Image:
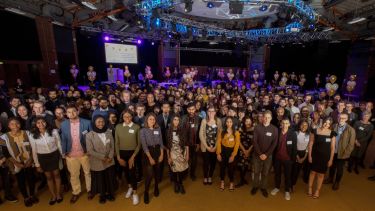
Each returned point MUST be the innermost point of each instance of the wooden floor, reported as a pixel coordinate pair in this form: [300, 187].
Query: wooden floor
[356, 193]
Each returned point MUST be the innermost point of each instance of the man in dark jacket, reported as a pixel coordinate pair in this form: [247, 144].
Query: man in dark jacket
[285, 155]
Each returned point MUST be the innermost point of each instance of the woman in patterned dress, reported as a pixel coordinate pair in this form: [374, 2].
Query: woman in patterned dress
[178, 153]
[246, 146]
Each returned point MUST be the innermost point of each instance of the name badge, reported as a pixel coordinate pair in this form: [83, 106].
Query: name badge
[84, 132]
[156, 132]
[192, 125]
[289, 142]
[131, 131]
[268, 134]
[231, 139]
[361, 128]
[328, 140]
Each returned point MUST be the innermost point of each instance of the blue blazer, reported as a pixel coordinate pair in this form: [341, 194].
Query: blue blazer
[66, 137]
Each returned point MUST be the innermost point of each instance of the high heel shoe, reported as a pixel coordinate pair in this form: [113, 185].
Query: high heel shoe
[222, 186]
[316, 195]
[309, 192]
[231, 187]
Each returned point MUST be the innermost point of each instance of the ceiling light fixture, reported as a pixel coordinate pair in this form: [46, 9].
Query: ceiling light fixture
[89, 5]
[15, 10]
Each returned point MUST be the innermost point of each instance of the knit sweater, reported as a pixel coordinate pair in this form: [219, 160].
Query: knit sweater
[127, 138]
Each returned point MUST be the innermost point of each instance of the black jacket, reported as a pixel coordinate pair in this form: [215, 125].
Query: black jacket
[291, 144]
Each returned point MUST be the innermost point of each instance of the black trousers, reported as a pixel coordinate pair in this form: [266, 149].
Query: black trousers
[193, 160]
[297, 167]
[103, 182]
[4, 173]
[139, 167]
[209, 163]
[130, 174]
[224, 164]
[152, 171]
[178, 177]
[286, 165]
[337, 169]
[26, 182]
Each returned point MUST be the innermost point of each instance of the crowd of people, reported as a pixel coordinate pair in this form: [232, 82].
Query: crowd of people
[145, 134]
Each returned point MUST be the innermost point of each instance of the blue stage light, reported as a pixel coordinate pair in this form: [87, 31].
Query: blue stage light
[210, 5]
[263, 8]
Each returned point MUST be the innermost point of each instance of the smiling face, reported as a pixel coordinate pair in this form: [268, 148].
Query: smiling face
[176, 121]
[41, 124]
[229, 123]
[99, 123]
[14, 126]
[151, 121]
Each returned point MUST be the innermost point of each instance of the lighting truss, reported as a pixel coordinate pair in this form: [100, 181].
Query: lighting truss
[145, 7]
[276, 38]
[200, 29]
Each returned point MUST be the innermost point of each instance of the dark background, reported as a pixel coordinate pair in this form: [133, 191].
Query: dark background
[310, 58]
[234, 59]
[19, 38]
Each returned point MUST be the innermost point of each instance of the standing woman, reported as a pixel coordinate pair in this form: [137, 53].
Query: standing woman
[178, 153]
[246, 146]
[100, 148]
[46, 147]
[303, 137]
[363, 131]
[208, 134]
[228, 143]
[321, 150]
[19, 149]
[127, 147]
[152, 144]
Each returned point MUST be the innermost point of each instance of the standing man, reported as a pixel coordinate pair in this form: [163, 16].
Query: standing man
[345, 141]
[191, 124]
[265, 141]
[163, 120]
[73, 144]
[285, 156]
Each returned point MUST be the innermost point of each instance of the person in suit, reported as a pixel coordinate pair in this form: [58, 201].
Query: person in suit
[100, 148]
[103, 109]
[73, 132]
[164, 120]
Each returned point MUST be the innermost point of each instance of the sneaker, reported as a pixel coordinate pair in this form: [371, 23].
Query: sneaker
[287, 196]
[129, 193]
[209, 181]
[135, 199]
[275, 191]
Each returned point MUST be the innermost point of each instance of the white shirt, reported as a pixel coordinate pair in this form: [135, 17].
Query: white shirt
[45, 144]
[302, 141]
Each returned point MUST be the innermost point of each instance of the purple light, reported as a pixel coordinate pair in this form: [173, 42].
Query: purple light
[106, 38]
[139, 41]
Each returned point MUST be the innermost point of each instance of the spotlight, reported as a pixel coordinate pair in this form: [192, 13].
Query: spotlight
[152, 43]
[210, 5]
[311, 26]
[106, 38]
[263, 8]
[139, 41]
[188, 5]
